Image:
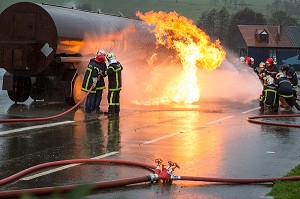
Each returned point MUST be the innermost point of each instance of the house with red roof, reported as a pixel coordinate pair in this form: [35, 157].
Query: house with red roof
[264, 41]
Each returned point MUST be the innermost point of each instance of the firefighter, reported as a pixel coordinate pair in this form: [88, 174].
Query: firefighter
[271, 69]
[100, 85]
[285, 92]
[291, 74]
[262, 73]
[242, 60]
[90, 79]
[269, 99]
[113, 73]
[250, 62]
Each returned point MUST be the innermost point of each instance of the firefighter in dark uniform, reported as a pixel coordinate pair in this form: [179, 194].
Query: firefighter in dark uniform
[100, 85]
[291, 74]
[113, 73]
[271, 69]
[262, 73]
[269, 98]
[90, 79]
[285, 92]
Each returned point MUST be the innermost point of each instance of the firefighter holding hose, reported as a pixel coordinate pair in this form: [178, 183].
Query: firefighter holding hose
[90, 79]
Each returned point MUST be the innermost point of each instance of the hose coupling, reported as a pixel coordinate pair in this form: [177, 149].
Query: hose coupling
[153, 177]
[174, 177]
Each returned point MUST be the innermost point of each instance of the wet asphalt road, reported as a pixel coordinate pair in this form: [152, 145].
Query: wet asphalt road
[210, 139]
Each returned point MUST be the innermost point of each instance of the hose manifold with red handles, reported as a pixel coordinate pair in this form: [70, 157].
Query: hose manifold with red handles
[166, 174]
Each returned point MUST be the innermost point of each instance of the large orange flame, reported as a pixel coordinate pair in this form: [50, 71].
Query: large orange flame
[194, 49]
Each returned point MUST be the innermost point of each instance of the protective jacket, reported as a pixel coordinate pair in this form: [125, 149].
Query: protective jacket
[101, 74]
[114, 76]
[292, 76]
[270, 95]
[262, 77]
[284, 87]
[272, 70]
[94, 70]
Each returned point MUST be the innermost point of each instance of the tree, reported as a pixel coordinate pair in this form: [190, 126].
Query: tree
[223, 21]
[215, 23]
[208, 22]
[281, 18]
[211, 21]
[246, 16]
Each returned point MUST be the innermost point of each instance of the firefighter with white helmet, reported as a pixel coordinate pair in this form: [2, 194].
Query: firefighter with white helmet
[269, 98]
[242, 60]
[114, 73]
[262, 73]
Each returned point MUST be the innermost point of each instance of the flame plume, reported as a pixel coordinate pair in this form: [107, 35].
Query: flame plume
[194, 49]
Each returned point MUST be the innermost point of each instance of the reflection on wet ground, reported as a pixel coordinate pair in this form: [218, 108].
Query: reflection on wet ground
[211, 139]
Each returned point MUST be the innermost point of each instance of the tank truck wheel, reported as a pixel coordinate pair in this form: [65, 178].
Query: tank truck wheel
[77, 93]
[21, 89]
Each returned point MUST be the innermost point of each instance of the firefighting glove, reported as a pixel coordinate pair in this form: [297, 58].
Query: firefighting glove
[94, 81]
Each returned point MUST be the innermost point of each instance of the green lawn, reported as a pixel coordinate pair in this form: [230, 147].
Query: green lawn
[287, 189]
[191, 9]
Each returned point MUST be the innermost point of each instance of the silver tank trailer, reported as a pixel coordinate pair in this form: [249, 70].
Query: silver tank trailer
[37, 47]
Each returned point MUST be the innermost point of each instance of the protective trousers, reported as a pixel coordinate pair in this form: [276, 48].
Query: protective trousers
[113, 98]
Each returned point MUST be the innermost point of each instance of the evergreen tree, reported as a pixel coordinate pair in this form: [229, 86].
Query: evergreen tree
[281, 18]
[246, 16]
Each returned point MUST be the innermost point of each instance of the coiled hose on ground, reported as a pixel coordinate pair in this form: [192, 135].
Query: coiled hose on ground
[254, 120]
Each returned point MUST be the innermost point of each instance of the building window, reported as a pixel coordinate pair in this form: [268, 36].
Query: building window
[264, 38]
[261, 36]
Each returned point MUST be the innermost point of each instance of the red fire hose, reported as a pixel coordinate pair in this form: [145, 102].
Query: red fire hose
[164, 174]
[97, 185]
[253, 120]
[45, 118]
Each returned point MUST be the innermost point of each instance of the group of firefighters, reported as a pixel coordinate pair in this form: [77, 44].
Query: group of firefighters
[94, 77]
[279, 87]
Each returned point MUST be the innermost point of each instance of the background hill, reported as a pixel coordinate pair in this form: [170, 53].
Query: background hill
[192, 9]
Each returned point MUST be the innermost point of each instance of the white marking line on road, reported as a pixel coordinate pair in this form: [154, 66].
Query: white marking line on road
[250, 110]
[34, 127]
[161, 138]
[65, 167]
[225, 118]
[271, 152]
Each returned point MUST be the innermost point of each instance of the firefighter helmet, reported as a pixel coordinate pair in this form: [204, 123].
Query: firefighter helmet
[252, 60]
[111, 58]
[100, 58]
[242, 59]
[101, 51]
[110, 55]
[285, 67]
[248, 60]
[269, 61]
[262, 65]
